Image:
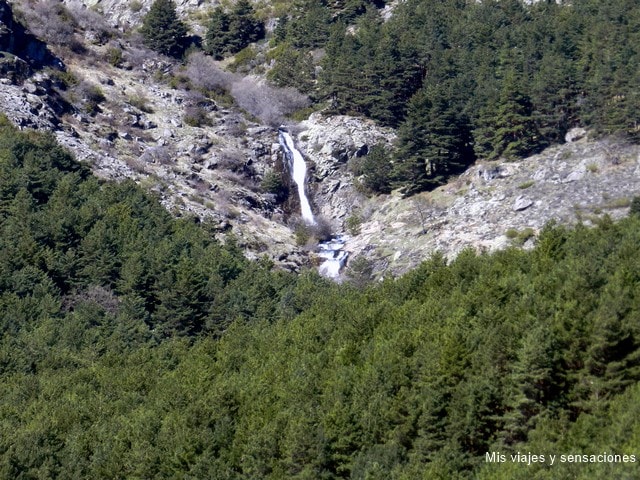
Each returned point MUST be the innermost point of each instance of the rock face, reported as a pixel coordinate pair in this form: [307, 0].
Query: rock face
[329, 143]
[15, 39]
[522, 203]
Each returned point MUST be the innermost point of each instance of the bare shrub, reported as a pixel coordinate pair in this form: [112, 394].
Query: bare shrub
[137, 55]
[232, 160]
[197, 99]
[95, 294]
[271, 105]
[161, 155]
[197, 109]
[322, 229]
[206, 75]
[91, 21]
[50, 21]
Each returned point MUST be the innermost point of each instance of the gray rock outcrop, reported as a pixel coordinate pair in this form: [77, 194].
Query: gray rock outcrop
[521, 203]
[329, 143]
[17, 41]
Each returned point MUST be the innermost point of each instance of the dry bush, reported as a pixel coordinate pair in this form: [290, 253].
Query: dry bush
[92, 22]
[137, 54]
[197, 99]
[232, 160]
[51, 21]
[271, 105]
[206, 75]
[322, 230]
[95, 294]
[161, 155]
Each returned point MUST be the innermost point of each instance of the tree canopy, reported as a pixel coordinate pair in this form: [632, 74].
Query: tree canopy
[163, 31]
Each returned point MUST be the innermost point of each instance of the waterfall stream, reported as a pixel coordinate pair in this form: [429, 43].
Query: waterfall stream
[332, 250]
[334, 257]
[298, 169]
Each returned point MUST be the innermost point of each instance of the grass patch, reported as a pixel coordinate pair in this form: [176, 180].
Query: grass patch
[519, 237]
[140, 102]
[622, 202]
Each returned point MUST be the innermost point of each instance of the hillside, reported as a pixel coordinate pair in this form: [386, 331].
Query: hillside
[162, 314]
[135, 345]
[203, 138]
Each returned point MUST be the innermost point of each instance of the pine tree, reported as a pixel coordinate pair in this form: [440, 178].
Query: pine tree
[376, 168]
[293, 68]
[506, 128]
[217, 37]
[553, 97]
[228, 33]
[310, 26]
[532, 383]
[163, 31]
[244, 28]
[435, 139]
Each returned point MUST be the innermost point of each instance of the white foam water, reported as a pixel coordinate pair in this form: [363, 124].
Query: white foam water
[334, 257]
[298, 169]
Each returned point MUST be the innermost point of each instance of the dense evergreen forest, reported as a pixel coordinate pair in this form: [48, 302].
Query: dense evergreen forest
[135, 346]
[464, 79]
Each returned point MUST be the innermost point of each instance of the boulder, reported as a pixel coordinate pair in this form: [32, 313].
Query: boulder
[522, 203]
[575, 134]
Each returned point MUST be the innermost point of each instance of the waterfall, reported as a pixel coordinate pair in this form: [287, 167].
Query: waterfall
[332, 250]
[298, 169]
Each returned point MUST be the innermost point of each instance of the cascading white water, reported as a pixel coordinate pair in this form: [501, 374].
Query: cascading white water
[331, 251]
[334, 255]
[298, 172]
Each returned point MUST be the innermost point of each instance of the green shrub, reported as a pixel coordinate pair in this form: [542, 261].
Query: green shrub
[243, 58]
[63, 79]
[520, 237]
[196, 116]
[635, 206]
[526, 184]
[274, 184]
[140, 102]
[353, 224]
[135, 6]
[114, 56]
